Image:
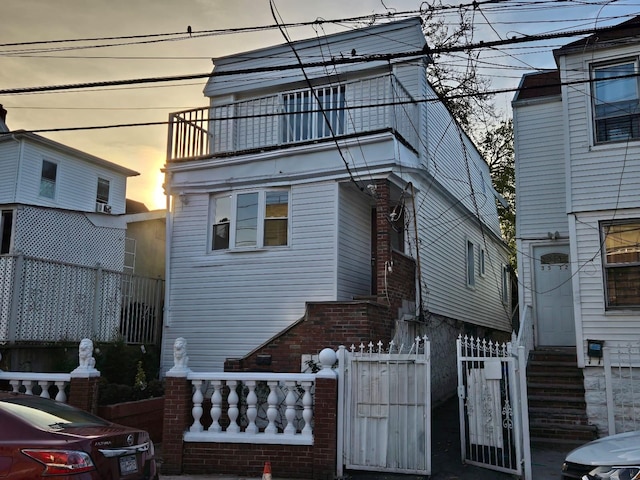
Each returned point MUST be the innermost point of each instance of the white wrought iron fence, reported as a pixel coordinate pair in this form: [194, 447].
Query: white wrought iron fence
[622, 381]
[47, 301]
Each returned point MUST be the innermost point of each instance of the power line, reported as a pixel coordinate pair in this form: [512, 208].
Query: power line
[384, 57]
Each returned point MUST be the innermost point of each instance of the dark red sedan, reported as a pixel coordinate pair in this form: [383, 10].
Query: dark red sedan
[44, 438]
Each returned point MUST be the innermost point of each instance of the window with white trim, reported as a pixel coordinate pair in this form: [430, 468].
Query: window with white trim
[102, 193]
[482, 262]
[621, 262]
[616, 103]
[311, 114]
[471, 264]
[48, 177]
[253, 219]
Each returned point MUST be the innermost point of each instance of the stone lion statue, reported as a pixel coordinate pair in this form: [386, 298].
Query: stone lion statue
[180, 359]
[85, 356]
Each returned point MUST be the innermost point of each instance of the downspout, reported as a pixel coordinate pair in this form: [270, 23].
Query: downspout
[19, 166]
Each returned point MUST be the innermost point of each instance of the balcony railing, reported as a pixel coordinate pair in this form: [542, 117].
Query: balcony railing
[294, 117]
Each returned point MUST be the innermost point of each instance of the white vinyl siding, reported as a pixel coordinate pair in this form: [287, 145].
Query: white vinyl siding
[244, 298]
[354, 244]
[9, 155]
[616, 326]
[76, 181]
[540, 169]
[452, 160]
[444, 232]
[602, 176]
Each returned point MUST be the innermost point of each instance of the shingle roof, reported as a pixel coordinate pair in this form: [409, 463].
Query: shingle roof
[538, 85]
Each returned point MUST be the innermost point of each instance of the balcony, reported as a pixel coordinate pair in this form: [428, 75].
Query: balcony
[295, 117]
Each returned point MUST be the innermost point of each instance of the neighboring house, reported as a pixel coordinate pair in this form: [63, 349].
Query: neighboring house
[299, 197]
[577, 139]
[62, 249]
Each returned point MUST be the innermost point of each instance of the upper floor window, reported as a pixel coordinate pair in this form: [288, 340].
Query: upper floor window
[471, 264]
[48, 179]
[621, 261]
[308, 116]
[102, 194]
[615, 102]
[249, 220]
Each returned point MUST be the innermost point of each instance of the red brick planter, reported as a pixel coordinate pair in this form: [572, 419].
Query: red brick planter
[145, 414]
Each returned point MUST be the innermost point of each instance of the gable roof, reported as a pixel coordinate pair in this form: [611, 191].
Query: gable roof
[32, 137]
[400, 38]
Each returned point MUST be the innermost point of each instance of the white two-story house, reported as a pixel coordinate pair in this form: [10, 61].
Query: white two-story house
[323, 174]
[577, 139]
[62, 243]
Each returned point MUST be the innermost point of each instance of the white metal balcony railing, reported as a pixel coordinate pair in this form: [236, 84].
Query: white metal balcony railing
[352, 108]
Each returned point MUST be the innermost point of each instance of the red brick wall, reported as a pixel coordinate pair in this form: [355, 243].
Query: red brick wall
[177, 419]
[83, 393]
[325, 325]
[317, 461]
[144, 414]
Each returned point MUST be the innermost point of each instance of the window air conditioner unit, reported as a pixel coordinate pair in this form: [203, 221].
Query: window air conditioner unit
[103, 208]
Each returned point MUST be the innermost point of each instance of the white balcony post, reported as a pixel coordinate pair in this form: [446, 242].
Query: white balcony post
[61, 396]
[45, 388]
[272, 409]
[233, 411]
[196, 411]
[307, 412]
[28, 386]
[252, 407]
[216, 406]
[15, 385]
[290, 412]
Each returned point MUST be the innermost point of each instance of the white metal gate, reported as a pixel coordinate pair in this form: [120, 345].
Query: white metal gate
[386, 400]
[494, 427]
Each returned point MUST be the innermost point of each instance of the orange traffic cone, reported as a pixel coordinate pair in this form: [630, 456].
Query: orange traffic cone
[266, 471]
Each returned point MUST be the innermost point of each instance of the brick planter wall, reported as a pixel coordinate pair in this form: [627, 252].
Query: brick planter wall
[144, 414]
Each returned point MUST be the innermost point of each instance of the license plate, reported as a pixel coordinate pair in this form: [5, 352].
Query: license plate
[128, 465]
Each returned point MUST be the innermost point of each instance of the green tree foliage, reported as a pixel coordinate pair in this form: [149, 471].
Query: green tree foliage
[464, 91]
[497, 149]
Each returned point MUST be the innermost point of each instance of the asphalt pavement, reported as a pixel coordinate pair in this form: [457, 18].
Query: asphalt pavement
[446, 463]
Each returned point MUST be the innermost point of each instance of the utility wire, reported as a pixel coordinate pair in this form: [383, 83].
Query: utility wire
[385, 57]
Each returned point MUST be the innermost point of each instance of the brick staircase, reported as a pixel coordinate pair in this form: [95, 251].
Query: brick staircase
[557, 409]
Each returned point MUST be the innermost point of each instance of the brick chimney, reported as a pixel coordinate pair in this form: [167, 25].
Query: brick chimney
[3, 113]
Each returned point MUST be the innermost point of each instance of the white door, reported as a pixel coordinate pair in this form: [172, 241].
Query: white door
[553, 296]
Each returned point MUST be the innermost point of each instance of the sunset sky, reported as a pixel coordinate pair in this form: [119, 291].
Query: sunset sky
[143, 148]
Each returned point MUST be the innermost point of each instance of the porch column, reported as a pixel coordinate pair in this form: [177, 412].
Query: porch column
[383, 237]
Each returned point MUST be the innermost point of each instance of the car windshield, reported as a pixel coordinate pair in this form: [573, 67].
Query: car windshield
[44, 414]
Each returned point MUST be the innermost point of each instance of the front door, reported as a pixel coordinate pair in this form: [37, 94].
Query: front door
[553, 296]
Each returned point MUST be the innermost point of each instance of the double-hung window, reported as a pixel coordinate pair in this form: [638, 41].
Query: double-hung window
[312, 114]
[621, 261]
[48, 177]
[250, 219]
[615, 102]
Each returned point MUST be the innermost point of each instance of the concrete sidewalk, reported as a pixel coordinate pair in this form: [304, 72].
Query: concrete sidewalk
[446, 463]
